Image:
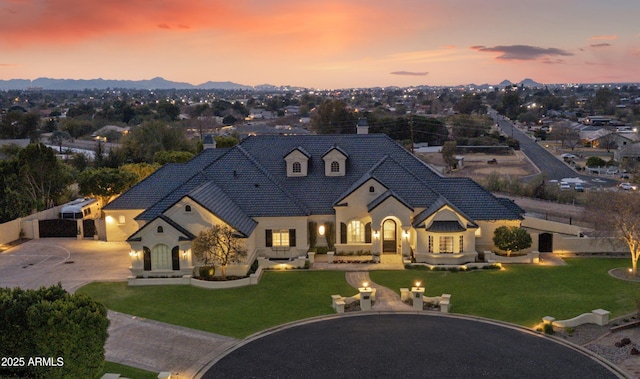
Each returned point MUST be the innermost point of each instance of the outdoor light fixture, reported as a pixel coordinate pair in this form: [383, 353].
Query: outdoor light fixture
[184, 253]
[376, 234]
[418, 283]
[405, 234]
[321, 230]
[365, 284]
[133, 253]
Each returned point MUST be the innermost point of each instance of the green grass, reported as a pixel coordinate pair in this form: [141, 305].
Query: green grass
[520, 294]
[127, 371]
[280, 297]
[523, 294]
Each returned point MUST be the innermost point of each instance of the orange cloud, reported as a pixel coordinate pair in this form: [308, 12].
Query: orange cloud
[329, 25]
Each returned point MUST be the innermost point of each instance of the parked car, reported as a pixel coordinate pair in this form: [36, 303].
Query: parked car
[628, 187]
[579, 187]
[564, 186]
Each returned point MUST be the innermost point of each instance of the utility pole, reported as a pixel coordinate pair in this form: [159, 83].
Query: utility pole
[411, 131]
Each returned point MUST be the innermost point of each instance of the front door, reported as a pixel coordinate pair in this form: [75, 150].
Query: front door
[389, 242]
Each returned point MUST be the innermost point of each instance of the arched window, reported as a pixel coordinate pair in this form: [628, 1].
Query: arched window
[296, 167]
[335, 166]
[187, 208]
[371, 189]
[161, 257]
[355, 232]
[160, 229]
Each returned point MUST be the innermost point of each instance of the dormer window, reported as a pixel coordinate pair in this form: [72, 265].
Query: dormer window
[297, 162]
[335, 162]
[372, 189]
[160, 229]
[187, 208]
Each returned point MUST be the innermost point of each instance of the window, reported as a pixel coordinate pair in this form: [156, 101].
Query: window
[187, 208]
[161, 257]
[431, 244]
[280, 238]
[355, 232]
[296, 168]
[371, 189]
[446, 244]
[335, 166]
[121, 219]
[461, 244]
[160, 229]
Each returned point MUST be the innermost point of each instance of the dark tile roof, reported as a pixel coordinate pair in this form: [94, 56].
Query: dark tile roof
[211, 197]
[446, 227]
[250, 180]
[387, 194]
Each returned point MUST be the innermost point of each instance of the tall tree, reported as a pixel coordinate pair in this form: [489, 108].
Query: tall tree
[105, 183]
[219, 246]
[615, 214]
[44, 176]
[333, 117]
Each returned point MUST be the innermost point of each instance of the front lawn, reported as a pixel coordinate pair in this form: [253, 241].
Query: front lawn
[127, 371]
[523, 294]
[280, 297]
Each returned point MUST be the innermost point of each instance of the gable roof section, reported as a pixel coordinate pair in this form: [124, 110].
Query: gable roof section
[381, 199]
[301, 150]
[435, 207]
[446, 227]
[475, 201]
[186, 235]
[212, 198]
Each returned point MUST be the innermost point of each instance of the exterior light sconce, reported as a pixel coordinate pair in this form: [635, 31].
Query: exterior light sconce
[184, 253]
[376, 234]
[405, 234]
[133, 253]
[321, 230]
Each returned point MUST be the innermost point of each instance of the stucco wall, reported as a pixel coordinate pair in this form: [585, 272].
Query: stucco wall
[277, 223]
[484, 236]
[116, 231]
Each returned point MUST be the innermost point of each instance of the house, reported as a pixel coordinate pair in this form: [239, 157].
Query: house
[357, 192]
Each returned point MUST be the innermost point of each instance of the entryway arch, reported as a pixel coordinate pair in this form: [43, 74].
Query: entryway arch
[389, 236]
[545, 243]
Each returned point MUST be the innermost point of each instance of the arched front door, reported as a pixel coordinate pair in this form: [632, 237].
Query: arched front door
[389, 234]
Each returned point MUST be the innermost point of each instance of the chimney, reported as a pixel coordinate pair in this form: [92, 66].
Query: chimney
[363, 126]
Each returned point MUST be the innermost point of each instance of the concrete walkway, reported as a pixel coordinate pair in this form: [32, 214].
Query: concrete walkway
[386, 299]
[156, 346]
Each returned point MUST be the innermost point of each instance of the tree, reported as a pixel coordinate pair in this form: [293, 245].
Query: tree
[45, 178]
[333, 117]
[58, 137]
[49, 322]
[511, 238]
[565, 134]
[616, 214]
[595, 162]
[105, 183]
[219, 246]
[448, 153]
[164, 157]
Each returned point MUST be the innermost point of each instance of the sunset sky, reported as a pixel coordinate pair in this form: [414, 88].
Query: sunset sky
[323, 44]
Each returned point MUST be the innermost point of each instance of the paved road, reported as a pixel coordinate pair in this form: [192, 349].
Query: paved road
[418, 345]
[549, 164]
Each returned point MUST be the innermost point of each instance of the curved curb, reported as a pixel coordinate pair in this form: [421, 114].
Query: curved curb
[618, 371]
[610, 272]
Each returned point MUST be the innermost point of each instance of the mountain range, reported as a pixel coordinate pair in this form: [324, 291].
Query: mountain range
[163, 84]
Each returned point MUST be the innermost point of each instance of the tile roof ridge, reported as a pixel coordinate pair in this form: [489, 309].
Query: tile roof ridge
[271, 178]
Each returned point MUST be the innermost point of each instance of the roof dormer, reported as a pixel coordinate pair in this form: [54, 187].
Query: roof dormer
[297, 162]
[335, 162]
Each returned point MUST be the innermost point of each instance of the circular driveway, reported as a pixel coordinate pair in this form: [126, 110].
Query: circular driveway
[405, 345]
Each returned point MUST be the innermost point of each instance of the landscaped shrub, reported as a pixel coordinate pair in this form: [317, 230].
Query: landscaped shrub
[547, 328]
[207, 272]
[67, 332]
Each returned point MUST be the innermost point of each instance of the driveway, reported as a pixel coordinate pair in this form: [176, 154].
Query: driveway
[405, 345]
[72, 262]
